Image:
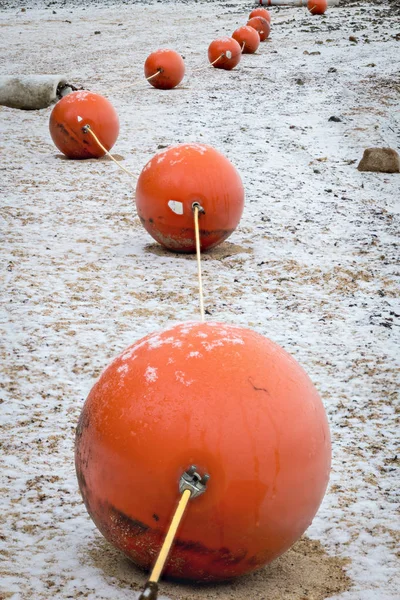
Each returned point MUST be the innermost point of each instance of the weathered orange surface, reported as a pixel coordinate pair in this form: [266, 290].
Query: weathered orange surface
[229, 401]
[247, 36]
[188, 173]
[227, 51]
[261, 25]
[317, 7]
[74, 111]
[260, 12]
[171, 65]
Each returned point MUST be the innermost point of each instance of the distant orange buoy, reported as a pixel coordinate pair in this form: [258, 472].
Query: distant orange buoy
[261, 25]
[182, 175]
[233, 403]
[317, 7]
[261, 12]
[72, 113]
[225, 53]
[248, 39]
[170, 68]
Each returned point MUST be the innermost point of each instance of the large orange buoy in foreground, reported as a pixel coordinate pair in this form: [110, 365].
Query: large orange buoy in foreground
[224, 53]
[173, 181]
[229, 401]
[247, 38]
[164, 68]
[261, 25]
[317, 7]
[72, 113]
[260, 12]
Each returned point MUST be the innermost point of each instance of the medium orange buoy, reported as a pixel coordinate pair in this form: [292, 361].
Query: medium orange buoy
[224, 53]
[260, 12]
[248, 39]
[178, 177]
[261, 25]
[72, 113]
[229, 401]
[317, 7]
[170, 68]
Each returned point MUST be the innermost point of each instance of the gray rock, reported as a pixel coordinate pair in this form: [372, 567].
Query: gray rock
[380, 160]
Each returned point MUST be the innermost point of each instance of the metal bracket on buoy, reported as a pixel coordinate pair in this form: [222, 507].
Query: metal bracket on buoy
[194, 482]
[199, 208]
[191, 485]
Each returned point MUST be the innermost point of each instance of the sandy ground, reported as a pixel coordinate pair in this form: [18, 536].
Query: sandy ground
[313, 265]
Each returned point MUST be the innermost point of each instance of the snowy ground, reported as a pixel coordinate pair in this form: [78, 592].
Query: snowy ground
[313, 265]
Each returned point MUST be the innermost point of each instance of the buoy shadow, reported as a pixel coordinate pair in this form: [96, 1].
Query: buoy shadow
[220, 252]
[304, 571]
[85, 160]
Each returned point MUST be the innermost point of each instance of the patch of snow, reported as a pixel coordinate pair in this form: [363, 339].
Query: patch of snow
[194, 354]
[151, 374]
[181, 377]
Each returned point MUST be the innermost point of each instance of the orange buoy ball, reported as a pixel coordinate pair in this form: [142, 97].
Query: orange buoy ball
[178, 177]
[317, 7]
[224, 53]
[165, 68]
[261, 25]
[72, 113]
[247, 38]
[234, 404]
[260, 12]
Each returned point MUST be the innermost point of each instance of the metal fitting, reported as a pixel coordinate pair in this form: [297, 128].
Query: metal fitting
[194, 482]
[150, 591]
[199, 207]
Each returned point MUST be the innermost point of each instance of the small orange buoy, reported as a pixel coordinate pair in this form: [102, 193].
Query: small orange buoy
[261, 12]
[229, 401]
[164, 69]
[317, 7]
[178, 177]
[248, 39]
[224, 53]
[72, 113]
[261, 25]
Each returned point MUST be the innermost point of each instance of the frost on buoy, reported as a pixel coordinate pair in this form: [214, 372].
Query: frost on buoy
[164, 69]
[248, 39]
[224, 53]
[260, 12]
[261, 25]
[72, 113]
[228, 400]
[176, 178]
[317, 7]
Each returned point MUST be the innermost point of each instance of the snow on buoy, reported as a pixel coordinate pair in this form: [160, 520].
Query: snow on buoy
[317, 7]
[261, 25]
[164, 69]
[224, 53]
[72, 113]
[247, 36]
[231, 402]
[260, 12]
[176, 178]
